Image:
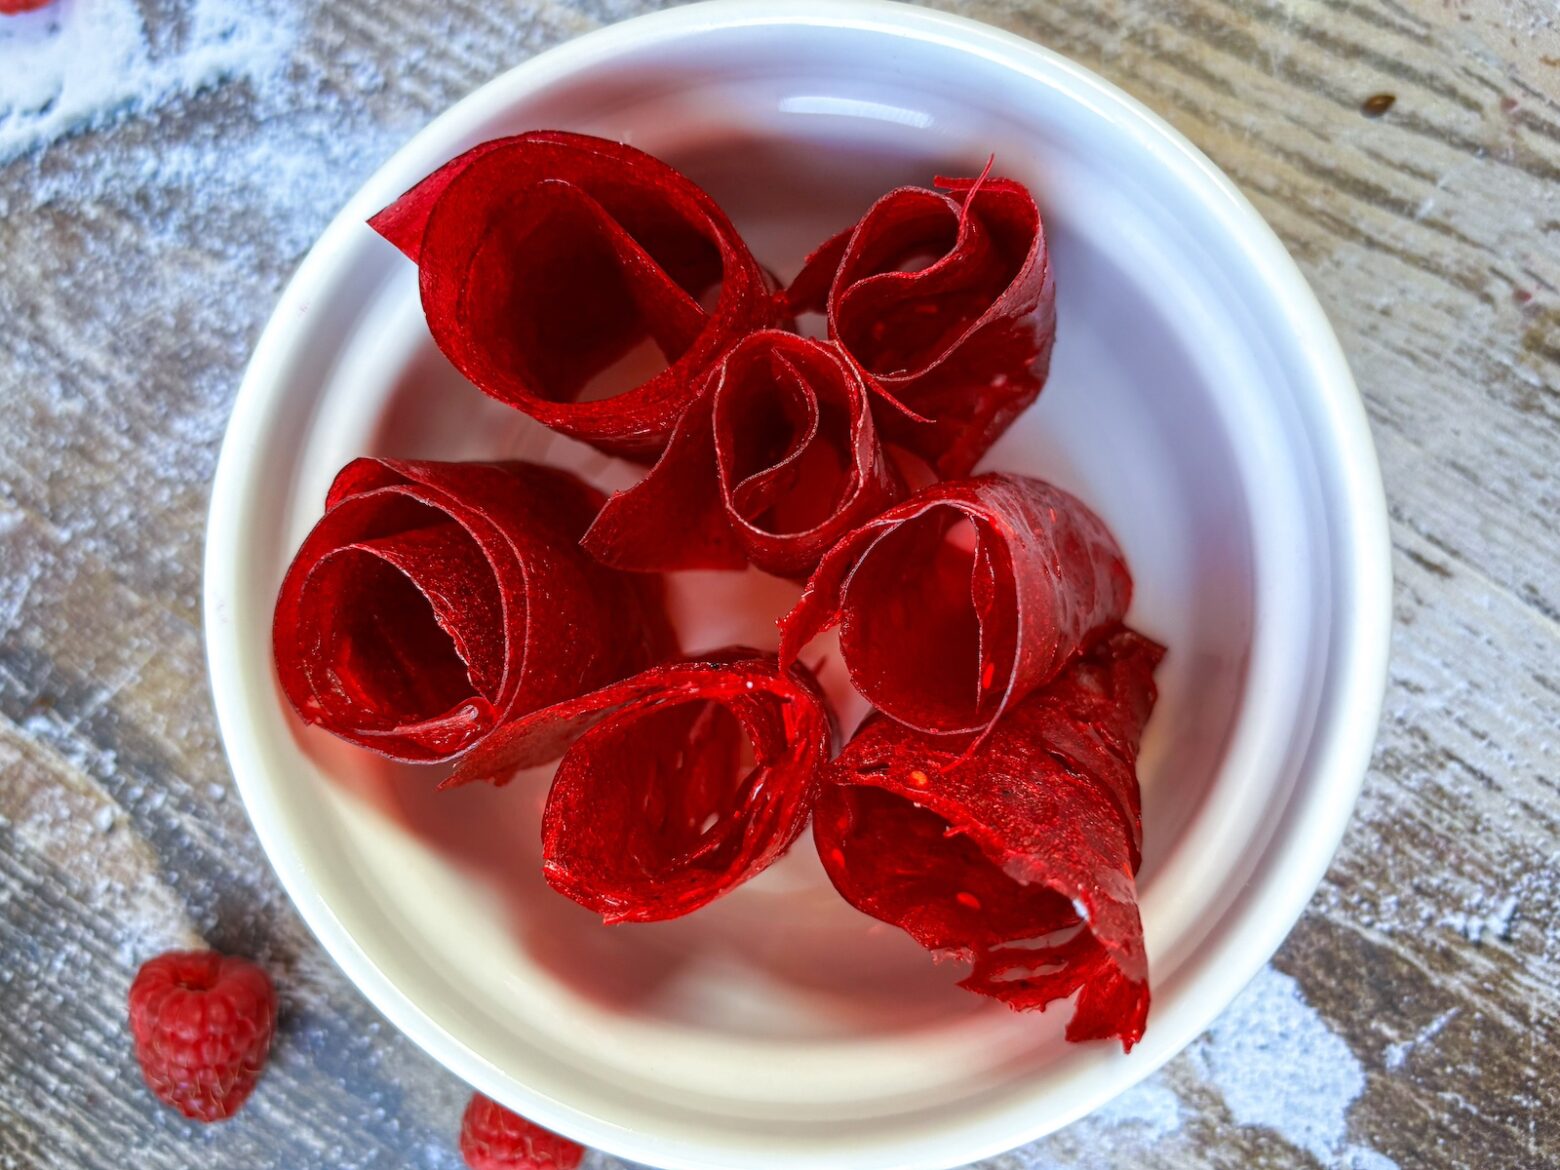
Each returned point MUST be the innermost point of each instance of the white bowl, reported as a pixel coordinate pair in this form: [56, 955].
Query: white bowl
[1198, 400]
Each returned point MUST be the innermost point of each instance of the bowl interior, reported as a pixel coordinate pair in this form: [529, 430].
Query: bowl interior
[779, 1023]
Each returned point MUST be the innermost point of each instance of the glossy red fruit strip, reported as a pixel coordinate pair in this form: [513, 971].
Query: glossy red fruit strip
[435, 601]
[546, 257]
[202, 1024]
[947, 299]
[495, 1138]
[957, 602]
[676, 785]
[776, 461]
[1020, 856]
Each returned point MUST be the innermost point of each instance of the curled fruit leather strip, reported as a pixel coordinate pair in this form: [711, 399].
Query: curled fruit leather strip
[777, 460]
[947, 299]
[1019, 857]
[957, 602]
[435, 601]
[547, 257]
[676, 785]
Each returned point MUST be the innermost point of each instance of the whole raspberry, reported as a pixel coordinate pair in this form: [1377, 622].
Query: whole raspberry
[202, 1024]
[493, 1138]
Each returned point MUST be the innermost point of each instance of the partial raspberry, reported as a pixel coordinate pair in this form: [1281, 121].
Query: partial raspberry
[493, 1138]
[12, 7]
[202, 1024]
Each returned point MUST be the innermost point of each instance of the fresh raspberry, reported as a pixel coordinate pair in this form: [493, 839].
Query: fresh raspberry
[12, 7]
[202, 1024]
[493, 1138]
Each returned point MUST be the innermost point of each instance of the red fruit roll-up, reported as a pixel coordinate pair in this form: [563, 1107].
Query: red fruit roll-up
[1019, 857]
[547, 257]
[959, 601]
[676, 786]
[435, 601]
[947, 299]
[776, 461]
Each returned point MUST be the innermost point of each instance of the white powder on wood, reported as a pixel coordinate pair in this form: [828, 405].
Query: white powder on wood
[78, 64]
[1277, 1065]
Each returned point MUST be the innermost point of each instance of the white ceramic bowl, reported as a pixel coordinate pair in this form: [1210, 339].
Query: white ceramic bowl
[1198, 400]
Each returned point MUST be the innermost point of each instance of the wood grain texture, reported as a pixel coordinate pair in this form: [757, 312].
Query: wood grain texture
[132, 288]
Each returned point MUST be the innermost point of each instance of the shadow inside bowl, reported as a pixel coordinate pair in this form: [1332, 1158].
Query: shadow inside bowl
[785, 930]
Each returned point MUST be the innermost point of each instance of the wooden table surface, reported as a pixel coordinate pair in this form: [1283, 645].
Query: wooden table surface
[146, 227]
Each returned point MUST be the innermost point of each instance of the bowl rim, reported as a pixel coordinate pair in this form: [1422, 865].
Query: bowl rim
[1341, 747]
